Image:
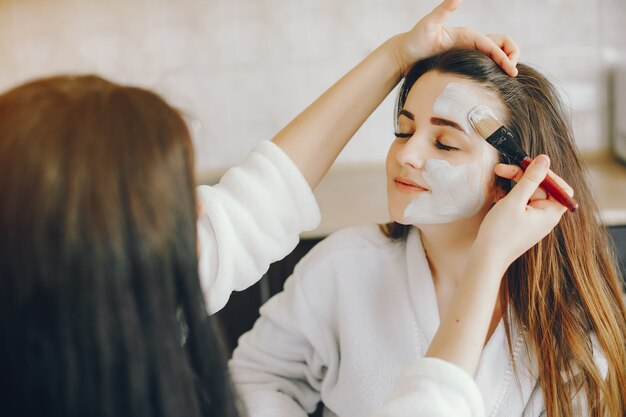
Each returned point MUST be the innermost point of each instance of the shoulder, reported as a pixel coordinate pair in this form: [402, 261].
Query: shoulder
[347, 268]
[355, 253]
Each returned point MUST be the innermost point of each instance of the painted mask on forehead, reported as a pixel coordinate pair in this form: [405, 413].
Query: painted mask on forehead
[455, 191]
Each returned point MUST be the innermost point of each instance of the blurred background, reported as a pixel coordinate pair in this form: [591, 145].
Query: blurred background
[241, 69]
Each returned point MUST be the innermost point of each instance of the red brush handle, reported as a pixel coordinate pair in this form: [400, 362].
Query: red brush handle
[552, 188]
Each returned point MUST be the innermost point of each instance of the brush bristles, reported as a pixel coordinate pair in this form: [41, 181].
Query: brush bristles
[483, 121]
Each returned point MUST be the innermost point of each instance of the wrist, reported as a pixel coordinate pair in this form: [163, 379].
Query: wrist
[393, 46]
[486, 261]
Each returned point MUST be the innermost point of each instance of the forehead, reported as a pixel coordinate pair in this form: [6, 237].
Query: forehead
[439, 94]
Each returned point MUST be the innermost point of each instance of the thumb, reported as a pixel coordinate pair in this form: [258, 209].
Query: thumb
[534, 175]
[443, 10]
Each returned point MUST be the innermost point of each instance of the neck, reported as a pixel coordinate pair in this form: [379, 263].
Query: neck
[448, 246]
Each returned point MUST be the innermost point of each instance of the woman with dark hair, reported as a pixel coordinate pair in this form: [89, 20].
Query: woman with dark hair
[100, 312]
[472, 270]
[101, 299]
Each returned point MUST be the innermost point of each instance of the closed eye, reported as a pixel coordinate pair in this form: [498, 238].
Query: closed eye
[402, 135]
[443, 147]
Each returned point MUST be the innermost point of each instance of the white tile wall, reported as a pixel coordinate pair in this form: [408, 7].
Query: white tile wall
[244, 68]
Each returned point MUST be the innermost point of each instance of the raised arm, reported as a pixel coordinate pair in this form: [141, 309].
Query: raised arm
[254, 216]
[316, 136]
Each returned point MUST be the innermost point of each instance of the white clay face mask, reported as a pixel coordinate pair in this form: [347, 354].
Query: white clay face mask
[455, 102]
[455, 191]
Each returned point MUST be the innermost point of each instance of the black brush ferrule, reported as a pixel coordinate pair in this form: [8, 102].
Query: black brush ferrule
[504, 141]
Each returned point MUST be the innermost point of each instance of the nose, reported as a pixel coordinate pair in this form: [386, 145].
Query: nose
[413, 151]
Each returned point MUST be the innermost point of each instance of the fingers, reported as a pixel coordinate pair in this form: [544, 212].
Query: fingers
[440, 13]
[434, 37]
[529, 182]
[561, 183]
[489, 47]
[469, 38]
[515, 173]
[510, 172]
[547, 205]
[507, 45]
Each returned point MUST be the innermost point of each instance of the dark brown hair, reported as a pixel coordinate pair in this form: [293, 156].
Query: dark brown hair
[100, 303]
[566, 287]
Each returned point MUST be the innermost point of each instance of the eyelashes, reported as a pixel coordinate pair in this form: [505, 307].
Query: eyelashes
[443, 147]
[438, 144]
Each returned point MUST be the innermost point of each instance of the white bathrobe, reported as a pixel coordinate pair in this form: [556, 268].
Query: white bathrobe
[251, 219]
[358, 310]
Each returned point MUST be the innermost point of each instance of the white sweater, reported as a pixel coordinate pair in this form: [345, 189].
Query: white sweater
[252, 218]
[359, 310]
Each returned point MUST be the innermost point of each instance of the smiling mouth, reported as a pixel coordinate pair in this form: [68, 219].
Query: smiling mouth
[405, 185]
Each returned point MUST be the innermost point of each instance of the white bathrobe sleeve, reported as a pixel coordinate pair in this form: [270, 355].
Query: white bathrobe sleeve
[252, 218]
[432, 387]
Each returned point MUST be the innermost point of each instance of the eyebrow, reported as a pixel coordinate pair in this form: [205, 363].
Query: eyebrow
[407, 114]
[438, 121]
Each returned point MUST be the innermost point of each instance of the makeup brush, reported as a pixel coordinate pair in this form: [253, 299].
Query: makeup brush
[487, 125]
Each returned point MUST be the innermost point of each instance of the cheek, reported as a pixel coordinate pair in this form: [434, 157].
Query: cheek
[492, 193]
[396, 202]
[487, 178]
[388, 164]
[391, 158]
[454, 194]
[477, 177]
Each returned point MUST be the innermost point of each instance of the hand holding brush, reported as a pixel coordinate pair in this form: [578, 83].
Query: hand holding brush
[487, 125]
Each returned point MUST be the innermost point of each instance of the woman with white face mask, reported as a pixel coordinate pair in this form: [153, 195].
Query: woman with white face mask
[100, 306]
[311, 142]
[472, 270]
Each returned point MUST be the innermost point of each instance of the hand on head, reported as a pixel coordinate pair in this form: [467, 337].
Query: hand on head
[429, 37]
[525, 215]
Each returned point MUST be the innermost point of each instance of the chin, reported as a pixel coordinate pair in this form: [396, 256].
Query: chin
[396, 215]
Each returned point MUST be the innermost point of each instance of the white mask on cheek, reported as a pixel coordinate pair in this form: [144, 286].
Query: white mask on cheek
[455, 192]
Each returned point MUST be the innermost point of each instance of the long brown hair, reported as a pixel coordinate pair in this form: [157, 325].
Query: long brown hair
[101, 311]
[566, 288]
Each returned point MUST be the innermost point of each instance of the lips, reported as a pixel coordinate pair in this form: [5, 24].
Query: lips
[409, 185]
